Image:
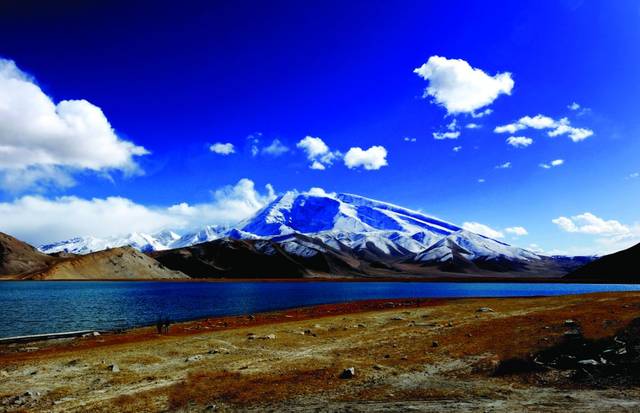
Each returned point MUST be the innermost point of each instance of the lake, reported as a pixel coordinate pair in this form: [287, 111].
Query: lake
[35, 307]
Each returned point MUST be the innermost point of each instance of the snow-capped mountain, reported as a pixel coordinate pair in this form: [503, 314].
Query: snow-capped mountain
[376, 227]
[140, 241]
[367, 227]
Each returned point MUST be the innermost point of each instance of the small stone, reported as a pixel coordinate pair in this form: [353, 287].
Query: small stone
[485, 310]
[348, 373]
[397, 318]
[197, 357]
[434, 344]
[3, 373]
[377, 367]
[569, 322]
[114, 368]
[268, 337]
[95, 334]
[404, 358]
[589, 362]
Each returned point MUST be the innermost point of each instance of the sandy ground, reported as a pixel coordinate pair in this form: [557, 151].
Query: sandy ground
[408, 355]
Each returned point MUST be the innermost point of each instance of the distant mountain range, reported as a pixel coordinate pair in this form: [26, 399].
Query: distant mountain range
[320, 234]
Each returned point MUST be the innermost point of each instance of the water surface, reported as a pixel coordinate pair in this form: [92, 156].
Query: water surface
[35, 307]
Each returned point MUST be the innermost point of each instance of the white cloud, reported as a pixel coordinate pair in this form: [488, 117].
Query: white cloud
[481, 180]
[482, 229]
[71, 135]
[519, 141]
[317, 166]
[407, 139]
[634, 175]
[552, 164]
[574, 106]
[556, 127]
[317, 152]
[517, 231]
[457, 148]
[371, 159]
[276, 148]
[473, 126]
[610, 235]
[446, 135]
[505, 165]
[316, 191]
[588, 223]
[482, 114]
[39, 220]
[222, 148]
[460, 88]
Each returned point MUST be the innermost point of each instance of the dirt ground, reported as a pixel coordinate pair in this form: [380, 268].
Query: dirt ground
[406, 355]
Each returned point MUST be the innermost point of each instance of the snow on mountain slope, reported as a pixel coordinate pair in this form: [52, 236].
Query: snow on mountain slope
[365, 224]
[208, 233]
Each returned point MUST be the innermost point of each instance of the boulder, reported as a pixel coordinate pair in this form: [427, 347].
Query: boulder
[348, 373]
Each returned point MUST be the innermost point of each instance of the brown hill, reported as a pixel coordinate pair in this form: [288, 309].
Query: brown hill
[258, 258]
[18, 258]
[123, 263]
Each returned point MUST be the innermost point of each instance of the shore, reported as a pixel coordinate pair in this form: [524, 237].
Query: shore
[429, 355]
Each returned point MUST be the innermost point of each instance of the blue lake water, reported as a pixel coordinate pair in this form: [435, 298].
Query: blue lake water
[34, 307]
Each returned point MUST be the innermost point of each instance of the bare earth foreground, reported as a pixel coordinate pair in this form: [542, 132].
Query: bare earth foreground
[571, 353]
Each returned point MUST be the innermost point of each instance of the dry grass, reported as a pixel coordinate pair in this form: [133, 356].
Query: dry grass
[204, 388]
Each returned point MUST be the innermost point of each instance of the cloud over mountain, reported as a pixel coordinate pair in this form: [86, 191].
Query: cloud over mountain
[461, 88]
[39, 219]
[371, 159]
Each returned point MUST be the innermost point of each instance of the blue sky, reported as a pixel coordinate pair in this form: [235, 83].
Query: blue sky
[176, 79]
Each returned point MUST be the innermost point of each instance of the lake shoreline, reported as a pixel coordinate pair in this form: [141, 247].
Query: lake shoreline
[408, 279]
[429, 354]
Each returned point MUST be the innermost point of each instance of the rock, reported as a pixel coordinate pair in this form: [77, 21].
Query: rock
[449, 324]
[404, 358]
[434, 344]
[485, 310]
[589, 362]
[348, 373]
[268, 337]
[114, 368]
[573, 334]
[197, 357]
[362, 326]
[397, 318]
[377, 367]
[3, 373]
[95, 334]
[569, 322]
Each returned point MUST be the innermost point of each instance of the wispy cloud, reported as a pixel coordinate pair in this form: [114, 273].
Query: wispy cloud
[555, 127]
[552, 164]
